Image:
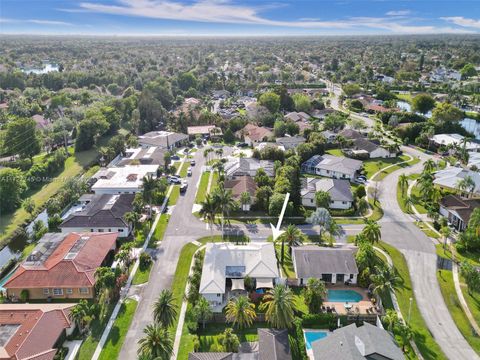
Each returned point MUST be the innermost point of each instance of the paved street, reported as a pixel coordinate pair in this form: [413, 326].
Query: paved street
[419, 251]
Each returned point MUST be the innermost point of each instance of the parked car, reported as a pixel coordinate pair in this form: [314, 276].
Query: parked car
[175, 157]
[186, 150]
[192, 162]
[242, 145]
[174, 179]
[183, 187]
[189, 171]
[360, 180]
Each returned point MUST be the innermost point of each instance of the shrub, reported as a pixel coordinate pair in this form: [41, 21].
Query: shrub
[322, 320]
[145, 261]
[24, 295]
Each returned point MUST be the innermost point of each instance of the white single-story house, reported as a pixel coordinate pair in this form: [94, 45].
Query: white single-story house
[127, 179]
[163, 139]
[454, 139]
[226, 266]
[331, 264]
[235, 167]
[450, 178]
[340, 193]
[290, 142]
[337, 167]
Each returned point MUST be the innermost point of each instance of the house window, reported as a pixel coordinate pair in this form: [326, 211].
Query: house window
[109, 230]
[84, 290]
[46, 291]
[120, 230]
[69, 291]
[311, 200]
[344, 202]
[100, 230]
[218, 295]
[351, 276]
[91, 230]
[57, 292]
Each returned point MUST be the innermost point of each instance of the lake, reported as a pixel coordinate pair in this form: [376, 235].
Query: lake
[471, 125]
[46, 69]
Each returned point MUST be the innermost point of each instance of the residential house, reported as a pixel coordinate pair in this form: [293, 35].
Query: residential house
[240, 185]
[297, 116]
[253, 134]
[454, 140]
[290, 142]
[126, 179]
[337, 167]
[363, 148]
[40, 121]
[206, 131]
[354, 342]
[330, 136]
[143, 156]
[458, 210]
[62, 266]
[272, 344]
[33, 331]
[226, 265]
[322, 114]
[451, 177]
[100, 213]
[264, 145]
[339, 190]
[235, 167]
[163, 139]
[474, 160]
[334, 265]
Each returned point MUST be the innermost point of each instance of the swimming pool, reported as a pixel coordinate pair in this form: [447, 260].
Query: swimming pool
[313, 335]
[344, 296]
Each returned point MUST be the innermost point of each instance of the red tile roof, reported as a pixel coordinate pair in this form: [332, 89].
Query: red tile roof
[240, 185]
[39, 327]
[57, 271]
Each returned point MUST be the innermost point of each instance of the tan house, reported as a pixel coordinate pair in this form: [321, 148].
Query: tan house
[253, 134]
[62, 266]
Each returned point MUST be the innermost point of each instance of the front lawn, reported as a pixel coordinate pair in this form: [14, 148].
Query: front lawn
[335, 152]
[119, 330]
[372, 166]
[421, 335]
[287, 266]
[142, 276]
[202, 187]
[184, 169]
[159, 230]
[445, 280]
[172, 200]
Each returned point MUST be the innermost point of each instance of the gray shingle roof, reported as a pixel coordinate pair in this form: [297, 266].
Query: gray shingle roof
[273, 345]
[210, 356]
[312, 261]
[357, 343]
[338, 189]
[102, 211]
[159, 138]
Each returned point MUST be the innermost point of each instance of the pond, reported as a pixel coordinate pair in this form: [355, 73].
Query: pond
[45, 70]
[471, 125]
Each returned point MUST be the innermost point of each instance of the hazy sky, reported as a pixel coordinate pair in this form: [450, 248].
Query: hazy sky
[232, 17]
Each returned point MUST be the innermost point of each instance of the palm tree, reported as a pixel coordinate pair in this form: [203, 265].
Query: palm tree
[226, 202]
[362, 206]
[149, 189]
[390, 319]
[245, 200]
[132, 218]
[209, 210]
[320, 217]
[278, 306]
[81, 314]
[203, 310]
[385, 279]
[403, 183]
[240, 311]
[409, 203]
[372, 231]
[124, 257]
[467, 184]
[164, 309]
[429, 166]
[293, 236]
[405, 333]
[156, 344]
[314, 294]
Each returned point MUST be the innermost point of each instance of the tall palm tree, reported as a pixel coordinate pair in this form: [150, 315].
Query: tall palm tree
[390, 319]
[202, 310]
[467, 184]
[372, 231]
[132, 218]
[208, 210]
[226, 202]
[403, 183]
[81, 314]
[409, 203]
[156, 344]
[429, 166]
[164, 309]
[293, 236]
[278, 306]
[384, 279]
[405, 333]
[240, 311]
[320, 217]
[245, 200]
[149, 189]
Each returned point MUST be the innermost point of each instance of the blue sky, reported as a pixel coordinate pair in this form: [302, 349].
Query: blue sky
[238, 17]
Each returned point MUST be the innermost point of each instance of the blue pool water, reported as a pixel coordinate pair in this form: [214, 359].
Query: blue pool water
[313, 335]
[350, 296]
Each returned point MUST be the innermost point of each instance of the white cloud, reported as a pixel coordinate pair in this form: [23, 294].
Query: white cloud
[461, 21]
[398, 13]
[35, 21]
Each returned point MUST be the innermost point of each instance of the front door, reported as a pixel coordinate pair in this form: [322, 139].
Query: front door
[340, 278]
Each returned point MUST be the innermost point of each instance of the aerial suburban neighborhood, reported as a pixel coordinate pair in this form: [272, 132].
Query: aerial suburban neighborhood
[209, 180]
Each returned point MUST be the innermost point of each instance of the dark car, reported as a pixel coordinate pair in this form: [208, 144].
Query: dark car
[192, 162]
[242, 145]
[175, 157]
[183, 188]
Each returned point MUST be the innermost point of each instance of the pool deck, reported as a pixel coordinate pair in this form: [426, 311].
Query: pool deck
[365, 306]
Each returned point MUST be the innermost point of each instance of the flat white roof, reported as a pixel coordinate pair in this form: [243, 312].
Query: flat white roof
[126, 177]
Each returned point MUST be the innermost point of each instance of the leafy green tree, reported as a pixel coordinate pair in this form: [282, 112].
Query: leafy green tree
[391, 319]
[270, 100]
[164, 309]
[208, 210]
[471, 276]
[278, 307]
[21, 138]
[320, 217]
[229, 340]
[88, 130]
[314, 294]
[468, 71]
[302, 102]
[362, 206]
[322, 199]
[351, 89]
[28, 205]
[423, 103]
[186, 81]
[240, 311]
[446, 112]
[12, 186]
[334, 122]
[406, 334]
[156, 344]
[202, 310]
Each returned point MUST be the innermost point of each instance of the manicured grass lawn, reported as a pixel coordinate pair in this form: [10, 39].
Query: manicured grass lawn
[73, 167]
[473, 300]
[141, 276]
[202, 188]
[172, 200]
[159, 230]
[184, 169]
[214, 183]
[374, 165]
[421, 335]
[335, 152]
[119, 330]
[287, 267]
[348, 221]
[90, 343]
[445, 280]
[416, 197]
[429, 232]
[377, 213]
[405, 97]
[385, 162]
